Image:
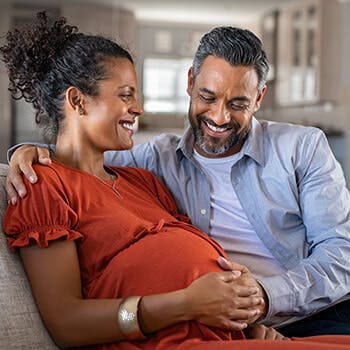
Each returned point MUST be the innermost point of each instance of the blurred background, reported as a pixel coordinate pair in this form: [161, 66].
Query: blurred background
[307, 42]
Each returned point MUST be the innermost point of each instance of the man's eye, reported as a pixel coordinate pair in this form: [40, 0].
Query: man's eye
[239, 107]
[207, 99]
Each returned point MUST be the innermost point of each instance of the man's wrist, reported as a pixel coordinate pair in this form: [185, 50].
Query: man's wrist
[14, 148]
[265, 304]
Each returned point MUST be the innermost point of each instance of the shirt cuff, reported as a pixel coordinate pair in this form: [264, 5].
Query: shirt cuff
[281, 297]
[12, 150]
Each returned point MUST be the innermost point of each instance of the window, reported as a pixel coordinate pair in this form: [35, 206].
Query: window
[164, 85]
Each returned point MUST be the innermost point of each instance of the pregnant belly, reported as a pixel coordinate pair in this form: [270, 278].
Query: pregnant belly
[167, 260]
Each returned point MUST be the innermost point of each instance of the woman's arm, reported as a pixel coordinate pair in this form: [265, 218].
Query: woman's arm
[72, 321]
[54, 275]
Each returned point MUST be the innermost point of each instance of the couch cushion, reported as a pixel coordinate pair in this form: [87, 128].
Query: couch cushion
[20, 323]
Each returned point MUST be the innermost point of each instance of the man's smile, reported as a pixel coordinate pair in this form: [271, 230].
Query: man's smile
[219, 129]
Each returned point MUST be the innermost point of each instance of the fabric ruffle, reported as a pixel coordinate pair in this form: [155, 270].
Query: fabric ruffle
[42, 237]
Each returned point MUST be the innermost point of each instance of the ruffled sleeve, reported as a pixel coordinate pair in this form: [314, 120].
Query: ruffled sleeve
[44, 215]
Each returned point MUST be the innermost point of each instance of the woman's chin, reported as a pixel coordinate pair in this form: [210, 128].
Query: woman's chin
[126, 146]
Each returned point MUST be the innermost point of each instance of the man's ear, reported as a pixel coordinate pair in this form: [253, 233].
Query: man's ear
[75, 100]
[260, 98]
[190, 81]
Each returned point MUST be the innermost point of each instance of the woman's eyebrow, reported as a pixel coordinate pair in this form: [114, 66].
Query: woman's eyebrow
[127, 86]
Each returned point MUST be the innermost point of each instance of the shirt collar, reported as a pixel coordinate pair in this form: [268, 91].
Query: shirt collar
[253, 146]
[186, 145]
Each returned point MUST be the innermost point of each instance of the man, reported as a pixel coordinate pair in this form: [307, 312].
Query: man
[272, 194]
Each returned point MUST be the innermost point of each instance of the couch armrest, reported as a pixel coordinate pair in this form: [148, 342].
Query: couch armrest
[21, 326]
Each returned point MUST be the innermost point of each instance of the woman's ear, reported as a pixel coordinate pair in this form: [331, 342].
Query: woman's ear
[75, 100]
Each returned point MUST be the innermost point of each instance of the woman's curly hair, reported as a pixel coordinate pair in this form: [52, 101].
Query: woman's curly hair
[46, 58]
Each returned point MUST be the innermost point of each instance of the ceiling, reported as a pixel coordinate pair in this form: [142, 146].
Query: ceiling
[200, 11]
[218, 12]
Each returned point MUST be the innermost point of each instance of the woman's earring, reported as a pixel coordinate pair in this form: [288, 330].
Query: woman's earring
[81, 110]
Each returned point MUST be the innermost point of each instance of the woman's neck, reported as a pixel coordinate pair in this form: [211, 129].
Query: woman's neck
[79, 156]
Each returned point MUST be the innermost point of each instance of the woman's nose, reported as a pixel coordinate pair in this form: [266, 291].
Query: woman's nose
[137, 107]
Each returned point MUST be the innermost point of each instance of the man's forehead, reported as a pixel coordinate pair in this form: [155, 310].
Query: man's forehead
[218, 69]
[231, 85]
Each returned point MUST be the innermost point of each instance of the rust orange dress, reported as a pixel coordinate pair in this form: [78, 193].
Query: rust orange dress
[130, 241]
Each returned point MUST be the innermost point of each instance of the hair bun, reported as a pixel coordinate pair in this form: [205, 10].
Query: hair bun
[30, 52]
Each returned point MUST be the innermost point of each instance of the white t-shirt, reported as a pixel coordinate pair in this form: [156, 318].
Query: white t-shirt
[229, 224]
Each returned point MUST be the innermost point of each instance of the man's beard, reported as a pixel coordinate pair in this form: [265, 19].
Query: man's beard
[216, 145]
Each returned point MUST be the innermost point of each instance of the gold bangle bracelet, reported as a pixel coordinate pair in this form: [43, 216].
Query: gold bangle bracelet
[128, 318]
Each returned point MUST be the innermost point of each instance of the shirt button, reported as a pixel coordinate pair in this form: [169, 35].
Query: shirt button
[203, 211]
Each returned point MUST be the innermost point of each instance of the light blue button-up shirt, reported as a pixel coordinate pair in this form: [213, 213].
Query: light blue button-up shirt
[294, 194]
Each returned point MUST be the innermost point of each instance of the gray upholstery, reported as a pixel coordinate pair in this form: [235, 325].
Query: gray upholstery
[20, 323]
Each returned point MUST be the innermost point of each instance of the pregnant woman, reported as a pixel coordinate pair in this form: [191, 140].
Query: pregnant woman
[111, 263]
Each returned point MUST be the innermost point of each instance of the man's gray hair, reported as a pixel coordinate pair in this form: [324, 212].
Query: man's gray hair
[239, 47]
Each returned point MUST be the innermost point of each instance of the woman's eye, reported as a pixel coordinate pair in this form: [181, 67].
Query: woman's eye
[126, 97]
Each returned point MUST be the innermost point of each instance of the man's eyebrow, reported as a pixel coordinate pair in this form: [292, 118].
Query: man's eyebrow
[207, 91]
[233, 99]
[240, 99]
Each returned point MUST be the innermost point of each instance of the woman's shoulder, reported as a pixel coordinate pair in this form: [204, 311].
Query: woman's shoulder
[137, 176]
[57, 175]
[49, 172]
[134, 172]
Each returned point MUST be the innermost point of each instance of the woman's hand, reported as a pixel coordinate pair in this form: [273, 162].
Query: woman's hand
[259, 331]
[21, 163]
[247, 279]
[216, 299]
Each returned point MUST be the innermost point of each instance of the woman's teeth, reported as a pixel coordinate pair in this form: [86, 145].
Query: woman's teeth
[127, 125]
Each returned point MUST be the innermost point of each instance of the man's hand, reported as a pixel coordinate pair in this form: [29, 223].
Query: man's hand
[21, 163]
[259, 331]
[246, 279]
[216, 299]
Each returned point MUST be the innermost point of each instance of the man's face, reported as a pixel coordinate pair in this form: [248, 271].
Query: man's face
[223, 100]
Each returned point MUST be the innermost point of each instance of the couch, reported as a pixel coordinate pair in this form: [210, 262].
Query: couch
[20, 323]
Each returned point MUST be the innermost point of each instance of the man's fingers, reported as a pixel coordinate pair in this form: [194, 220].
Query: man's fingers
[234, 325]
[249, 302]
[244, 315]
[241, 290]
[30, 156]
[259, 331]
[249, 291]
[28, 171]
[43, 156]
[21, 163]
[273, 334]
[15, 185]
[11, 193]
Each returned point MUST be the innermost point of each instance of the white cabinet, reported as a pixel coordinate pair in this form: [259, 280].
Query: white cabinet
[307, 62]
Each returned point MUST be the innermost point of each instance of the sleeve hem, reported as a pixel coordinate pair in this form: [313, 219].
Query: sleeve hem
[42, 237]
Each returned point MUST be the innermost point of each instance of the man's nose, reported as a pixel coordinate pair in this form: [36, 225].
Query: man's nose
[220, 114]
